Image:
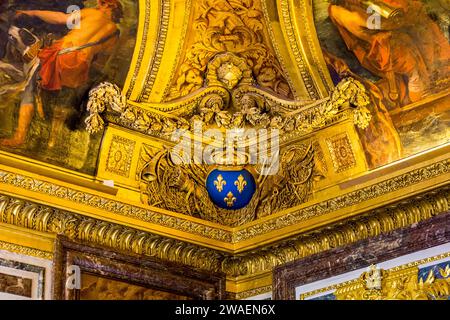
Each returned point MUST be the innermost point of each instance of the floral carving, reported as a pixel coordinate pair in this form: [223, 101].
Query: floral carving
[234, 26]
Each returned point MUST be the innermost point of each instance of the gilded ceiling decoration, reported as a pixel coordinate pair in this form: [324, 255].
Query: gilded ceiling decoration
[234, 26]
[37, 217]
[227, 135]
[403, 284]
[182, 188]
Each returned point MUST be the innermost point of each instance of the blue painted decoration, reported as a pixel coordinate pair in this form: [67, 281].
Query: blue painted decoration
[425, 271]
[230, 189]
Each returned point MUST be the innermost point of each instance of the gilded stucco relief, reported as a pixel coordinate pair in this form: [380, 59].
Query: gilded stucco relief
[88, 153]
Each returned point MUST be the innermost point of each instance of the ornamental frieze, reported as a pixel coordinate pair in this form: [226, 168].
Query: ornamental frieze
[117, 207]
[238, 106]
[41, 218]
[182, 188]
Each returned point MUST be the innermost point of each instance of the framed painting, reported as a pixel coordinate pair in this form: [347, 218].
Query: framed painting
[112, 275]
[23, 277]
[51, 54]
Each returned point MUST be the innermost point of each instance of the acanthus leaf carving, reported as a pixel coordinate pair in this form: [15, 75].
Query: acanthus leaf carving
[235, 27]
[401, 284]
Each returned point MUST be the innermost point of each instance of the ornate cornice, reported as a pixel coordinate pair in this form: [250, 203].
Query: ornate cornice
[346, 200]
[26, 250]
[226, 235]
[251, 293]
[77, 227]
[146, 23]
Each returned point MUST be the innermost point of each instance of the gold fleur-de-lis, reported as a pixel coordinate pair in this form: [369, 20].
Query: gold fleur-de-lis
[445, 273]
[219, 183]
[240, 183]
[230, 199]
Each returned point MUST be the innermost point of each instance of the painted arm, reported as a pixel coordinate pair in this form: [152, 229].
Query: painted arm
[52, 17]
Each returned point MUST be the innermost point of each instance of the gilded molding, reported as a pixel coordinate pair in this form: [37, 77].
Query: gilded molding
[299, 59]
[11, 247]
[160, 44]
[252, 293]
[181, 188]
[354, 281]
[45, 219]
[371, 224]
[341, 152]
[422, 261]
[217, 233]
[140, 56]
[347, 200]
[184, 32]
[307, 14]
[113, 206]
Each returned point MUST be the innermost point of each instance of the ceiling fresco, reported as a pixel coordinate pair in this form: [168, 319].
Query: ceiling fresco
[44, 90]
[106, 98]
[233, 26]
[404, 63]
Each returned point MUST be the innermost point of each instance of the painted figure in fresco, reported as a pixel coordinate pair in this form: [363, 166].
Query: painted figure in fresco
[407, 49]
[381, 140]
[64, 65]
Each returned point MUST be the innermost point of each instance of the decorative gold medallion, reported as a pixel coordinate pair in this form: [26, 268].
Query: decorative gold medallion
[230, 199]
[240, 183]
[219, 183]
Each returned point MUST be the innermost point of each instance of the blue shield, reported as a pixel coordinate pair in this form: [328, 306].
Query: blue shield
[231, 189]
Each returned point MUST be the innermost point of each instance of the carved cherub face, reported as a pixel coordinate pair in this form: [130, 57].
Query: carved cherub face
[248, 103]
[229, 74]
[267, 75]
[193, 76]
